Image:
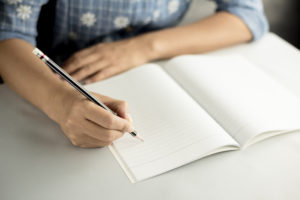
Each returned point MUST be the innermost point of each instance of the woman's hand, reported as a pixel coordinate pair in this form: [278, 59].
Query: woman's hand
[88, 125]
[104, 60]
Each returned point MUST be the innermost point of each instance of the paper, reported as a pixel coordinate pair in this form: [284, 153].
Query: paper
[175, 128]
[242, 98]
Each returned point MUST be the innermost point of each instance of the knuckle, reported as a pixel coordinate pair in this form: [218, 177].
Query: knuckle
[76, 59]
[69, 123]
[89, 80]
[96, 77]
[105, 72]
[79, 75]
[86, 68]
[108, 137]
[109, 121]
[75, 143]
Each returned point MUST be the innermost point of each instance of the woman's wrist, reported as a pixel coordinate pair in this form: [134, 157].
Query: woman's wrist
[60, 99]
[150, 46]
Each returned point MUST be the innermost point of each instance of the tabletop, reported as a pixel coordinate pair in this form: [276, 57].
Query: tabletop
[38, 162]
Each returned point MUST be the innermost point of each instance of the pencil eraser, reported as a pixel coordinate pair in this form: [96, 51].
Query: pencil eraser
[37, 52]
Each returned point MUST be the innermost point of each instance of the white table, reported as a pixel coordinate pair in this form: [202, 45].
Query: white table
[38, 163]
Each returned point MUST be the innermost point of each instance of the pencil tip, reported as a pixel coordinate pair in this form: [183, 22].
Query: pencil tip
[139, 138]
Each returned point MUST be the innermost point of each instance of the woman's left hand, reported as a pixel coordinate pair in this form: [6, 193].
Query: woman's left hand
[104, 60]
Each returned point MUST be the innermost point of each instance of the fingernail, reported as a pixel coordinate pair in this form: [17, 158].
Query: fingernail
[133, 129]
[129, 129]
[129, 117]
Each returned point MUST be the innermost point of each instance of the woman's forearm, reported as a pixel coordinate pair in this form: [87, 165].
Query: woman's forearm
[217, 31]
[83, 122]
[30, 78]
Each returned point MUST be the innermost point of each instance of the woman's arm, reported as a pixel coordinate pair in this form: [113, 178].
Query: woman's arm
[217, 31]
[107, 59]
[84, 123]
[29, 77]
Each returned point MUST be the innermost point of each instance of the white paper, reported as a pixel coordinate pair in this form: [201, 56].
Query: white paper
[237, 94]
[175, 128]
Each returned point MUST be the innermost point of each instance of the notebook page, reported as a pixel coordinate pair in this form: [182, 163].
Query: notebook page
[175, 129]
[237, 94]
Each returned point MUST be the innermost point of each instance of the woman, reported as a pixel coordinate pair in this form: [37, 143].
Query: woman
[98, 39]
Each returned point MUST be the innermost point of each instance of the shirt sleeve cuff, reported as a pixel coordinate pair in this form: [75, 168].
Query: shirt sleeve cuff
[254, 19]
[9, 35]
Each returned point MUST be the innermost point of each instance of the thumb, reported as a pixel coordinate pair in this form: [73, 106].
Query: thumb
[120, 107]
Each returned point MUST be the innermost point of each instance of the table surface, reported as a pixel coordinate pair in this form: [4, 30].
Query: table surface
[37, 161]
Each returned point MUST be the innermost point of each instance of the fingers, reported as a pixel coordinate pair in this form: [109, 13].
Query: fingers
[103, 74]
[88, 69]
[80, 59]
[85, 140]
[89, 125]
[118, 106]
[82, 53]
[84, 133]
[106, 119]
[89, 142]
[99, 133]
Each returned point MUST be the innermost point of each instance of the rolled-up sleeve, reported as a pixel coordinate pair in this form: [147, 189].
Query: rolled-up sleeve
[250, 11]
[18, 19]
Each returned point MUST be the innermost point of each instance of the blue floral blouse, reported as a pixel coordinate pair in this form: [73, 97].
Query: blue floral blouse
[79, 23]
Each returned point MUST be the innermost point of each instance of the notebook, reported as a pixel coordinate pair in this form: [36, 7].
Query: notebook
[195, 106]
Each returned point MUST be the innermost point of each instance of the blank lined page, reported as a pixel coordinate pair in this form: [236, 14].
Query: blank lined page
[175, 128]
[240, 96]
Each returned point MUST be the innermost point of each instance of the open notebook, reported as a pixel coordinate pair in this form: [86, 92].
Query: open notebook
[196, 106]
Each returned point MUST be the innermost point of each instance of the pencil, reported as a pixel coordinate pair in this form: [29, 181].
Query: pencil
[74, 83]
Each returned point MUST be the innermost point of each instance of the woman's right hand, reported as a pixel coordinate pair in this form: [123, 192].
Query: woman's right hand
[88, 125]
[82, 121]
